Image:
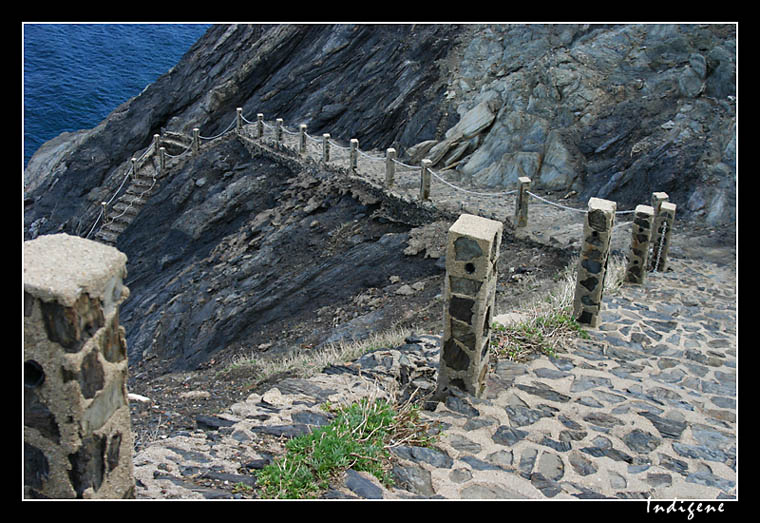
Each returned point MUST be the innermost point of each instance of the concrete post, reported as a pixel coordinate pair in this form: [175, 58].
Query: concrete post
[353, 154]
[239, 120]
[196, 141]
[425, 179]
[326, 147]
[260, 125]
[638, 256]
[657, 199]
[77, 433]
[592, 266]
[104, 205]
[302, 139]
[134, 168]
[663, 226]
[390, 166]
[469, 290]
[156, 143]
[521, 203]
[162, 159]
[278, 131]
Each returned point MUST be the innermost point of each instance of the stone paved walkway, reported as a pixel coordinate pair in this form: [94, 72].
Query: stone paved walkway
[647, 407]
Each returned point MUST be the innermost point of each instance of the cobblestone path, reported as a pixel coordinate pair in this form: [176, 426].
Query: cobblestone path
[647, 407]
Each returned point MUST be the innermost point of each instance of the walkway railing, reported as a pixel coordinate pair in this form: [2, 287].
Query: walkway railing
[385, 169]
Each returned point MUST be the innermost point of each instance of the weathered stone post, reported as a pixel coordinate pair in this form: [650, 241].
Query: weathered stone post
[260, 125]
[521, 203]
[196, 141]
[134, 168]
[663, 226]
[325, 147]
[302, 139]
[469, 289]
[278, 130]
[353, 154]
[638, 256]
[239, 120]
[425, 179]
[77, 432]
[657, 199]
[162, 159]
[390, 166]
[592, 266]
[156, 143]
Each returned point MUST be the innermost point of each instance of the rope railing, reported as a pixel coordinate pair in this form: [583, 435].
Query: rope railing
[265, 130]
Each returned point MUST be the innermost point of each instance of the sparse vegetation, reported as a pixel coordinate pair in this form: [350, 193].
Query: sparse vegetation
[550, 324]
[359, 438]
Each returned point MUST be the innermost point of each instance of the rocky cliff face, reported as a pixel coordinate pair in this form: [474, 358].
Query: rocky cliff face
[615, 111]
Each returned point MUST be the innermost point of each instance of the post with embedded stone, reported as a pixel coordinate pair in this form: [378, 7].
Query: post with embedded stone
[592, 266]
[353, 154]
[390, 166]
[278, 130]
[162, 159]
[156, 143]
[657, 199]
[425, 179]
[638, 256]
[325, 147]
[302, 139]
[663, 226]
[78, 441]
[260, 125]
[196, 141]
[521, 205]
[239, 120]
[469, 289]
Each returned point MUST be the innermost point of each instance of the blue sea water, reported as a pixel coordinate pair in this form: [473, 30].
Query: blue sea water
[76, 74]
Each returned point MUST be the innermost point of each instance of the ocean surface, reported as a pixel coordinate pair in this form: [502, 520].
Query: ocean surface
[76, 74]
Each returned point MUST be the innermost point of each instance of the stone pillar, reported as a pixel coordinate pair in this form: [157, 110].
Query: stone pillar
[196, 141]
[156, 143]
[469, 289]
[390, 166]
[260, 125]
[521, 203]
[638, 256]
[134, 168]
[663, 226]
[657, 199]
[162, 160]
[326, 147]
[302, 139]
[278, 130]
[592, 266]
[425, 179]
[353, 154]
[77, 432]
[239, 120]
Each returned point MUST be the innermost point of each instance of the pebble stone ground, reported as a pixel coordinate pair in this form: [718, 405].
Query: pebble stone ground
[645, 408]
